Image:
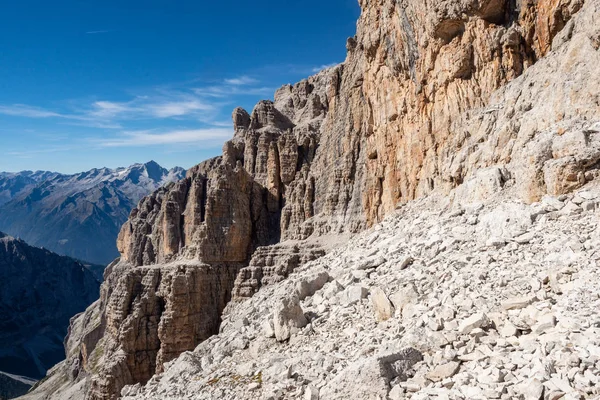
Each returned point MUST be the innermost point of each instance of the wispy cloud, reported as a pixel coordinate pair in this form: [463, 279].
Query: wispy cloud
[228, 91]
[32, 153]
[22, 110]
[109, 114]
[242, 85]
[191, 104]
[322, 67]
[177, 109]
[97, 32]
[149, 138]
[149, 108]
[241, 80]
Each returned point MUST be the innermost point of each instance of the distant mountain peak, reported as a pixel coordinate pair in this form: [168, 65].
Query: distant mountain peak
[152, 163]
[85, 210]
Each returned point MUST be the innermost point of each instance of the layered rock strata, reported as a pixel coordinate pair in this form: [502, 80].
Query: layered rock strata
[272, 264]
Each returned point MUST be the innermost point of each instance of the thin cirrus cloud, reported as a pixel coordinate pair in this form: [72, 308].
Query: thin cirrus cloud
[241, 80]
[201, 114]
[177, 109]
[224, 91]
[144, 108]
[148, 138]
[23, 110]
[105, 114]
[33, 152]
[239, 86]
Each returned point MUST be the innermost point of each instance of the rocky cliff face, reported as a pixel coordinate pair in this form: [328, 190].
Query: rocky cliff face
[418, 111]
[462, 98]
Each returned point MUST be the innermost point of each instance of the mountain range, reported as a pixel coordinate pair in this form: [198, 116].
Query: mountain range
[77, 215]
[39, 292]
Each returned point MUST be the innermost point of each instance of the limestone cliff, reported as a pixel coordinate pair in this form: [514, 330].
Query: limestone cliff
[464, 97]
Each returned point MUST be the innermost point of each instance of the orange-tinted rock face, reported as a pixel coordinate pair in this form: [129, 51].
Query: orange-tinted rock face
[413, 73]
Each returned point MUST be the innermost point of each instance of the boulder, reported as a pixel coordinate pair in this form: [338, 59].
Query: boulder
[288, 318]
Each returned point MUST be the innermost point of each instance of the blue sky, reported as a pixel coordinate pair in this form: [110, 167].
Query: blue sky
[91, 83]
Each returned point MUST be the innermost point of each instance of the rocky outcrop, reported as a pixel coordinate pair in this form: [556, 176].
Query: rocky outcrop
[421, 104]
[272, 264]
[151, 315]
[418, 109]
[460, 98]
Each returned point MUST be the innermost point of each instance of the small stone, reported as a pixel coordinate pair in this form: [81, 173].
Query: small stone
[571, 209]
[448, 383]
[240, 343]
[494, 375]
[240, 323]
[478, 320]
[382, 306]
[589, 205]
[267, 328]
[397, 393]
[411, 386]
[288, 318]
[545, 323]
[562, 384]
[331, 289]
[508, 330]
[552, 202]
[435, 324]
[353, 294]
[311, 393]
[370, 263]
[555, 395]
[404, 296]
[477, 332]
[309, 285]
[495, 242]
[443, 371]
[405, 262]
[532, 389]
[254, 386]
[516, 303]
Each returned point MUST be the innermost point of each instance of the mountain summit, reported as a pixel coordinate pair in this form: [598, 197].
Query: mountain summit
[77, 215]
